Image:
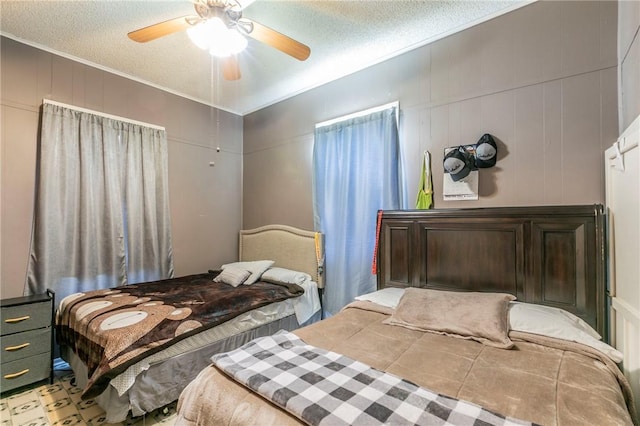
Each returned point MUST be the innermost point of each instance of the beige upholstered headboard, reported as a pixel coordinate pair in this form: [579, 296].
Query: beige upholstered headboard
[288, 247]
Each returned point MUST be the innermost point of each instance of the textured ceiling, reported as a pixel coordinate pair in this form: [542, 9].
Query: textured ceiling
[344, 37]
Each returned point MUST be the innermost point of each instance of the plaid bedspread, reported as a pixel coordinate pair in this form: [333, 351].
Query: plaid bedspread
[325, 388]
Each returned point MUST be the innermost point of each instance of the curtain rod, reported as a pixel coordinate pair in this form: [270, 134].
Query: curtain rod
[101, 114]
[361, 113]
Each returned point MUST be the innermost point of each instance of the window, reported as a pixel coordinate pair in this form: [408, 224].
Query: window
[101, 215]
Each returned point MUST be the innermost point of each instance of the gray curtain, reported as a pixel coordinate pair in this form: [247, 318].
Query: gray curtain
[101, 214]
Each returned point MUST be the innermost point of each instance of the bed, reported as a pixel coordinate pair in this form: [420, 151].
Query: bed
[542, 358]
[151, 374]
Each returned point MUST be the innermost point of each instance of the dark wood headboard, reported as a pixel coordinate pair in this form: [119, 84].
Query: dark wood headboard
[550, 255]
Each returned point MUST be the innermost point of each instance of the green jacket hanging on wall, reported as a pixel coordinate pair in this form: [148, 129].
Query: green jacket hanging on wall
[424, 200]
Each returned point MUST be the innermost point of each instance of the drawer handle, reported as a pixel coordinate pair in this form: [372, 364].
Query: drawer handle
[17, 347]
[14, 320]
[18, 374]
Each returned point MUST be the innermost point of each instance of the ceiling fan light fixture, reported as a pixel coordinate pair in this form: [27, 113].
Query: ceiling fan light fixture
[219, 28]
[233, 44]
[214, 36]
[199, 35]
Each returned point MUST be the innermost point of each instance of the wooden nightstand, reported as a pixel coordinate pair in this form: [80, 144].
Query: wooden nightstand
[26, 329]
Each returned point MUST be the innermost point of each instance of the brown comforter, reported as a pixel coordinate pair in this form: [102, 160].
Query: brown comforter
[114, 328]
[542, 380]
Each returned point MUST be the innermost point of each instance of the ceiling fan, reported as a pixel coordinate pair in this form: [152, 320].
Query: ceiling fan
[227, 16]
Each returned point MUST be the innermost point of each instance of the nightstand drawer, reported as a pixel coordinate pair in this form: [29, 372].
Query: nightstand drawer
[25, 317]
[25, 371]
[26, 344]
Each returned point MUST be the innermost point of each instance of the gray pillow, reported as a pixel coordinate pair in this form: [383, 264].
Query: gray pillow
[232, 275]
[256, 269]
[284, 276]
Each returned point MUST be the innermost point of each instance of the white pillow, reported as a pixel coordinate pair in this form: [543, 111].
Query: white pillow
[287, 276]
[233, 276]
[558, 323]
[256, 268]
[389, 297]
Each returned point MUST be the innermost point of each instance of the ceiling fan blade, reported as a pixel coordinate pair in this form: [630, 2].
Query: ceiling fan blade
[279, 41]
[231, 68]
[160, 29]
